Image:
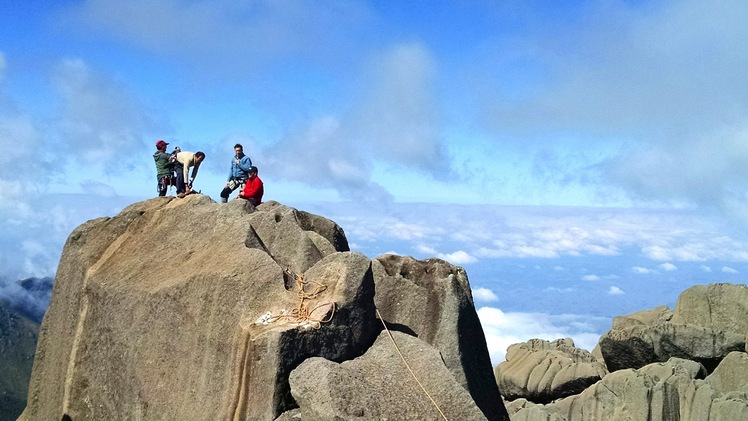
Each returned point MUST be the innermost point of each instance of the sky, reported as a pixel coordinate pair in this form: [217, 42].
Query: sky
[581, 159]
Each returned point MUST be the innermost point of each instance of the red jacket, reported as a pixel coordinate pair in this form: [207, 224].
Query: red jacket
[253, 190]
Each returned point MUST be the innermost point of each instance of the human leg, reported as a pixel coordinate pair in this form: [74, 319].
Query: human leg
[181, 188]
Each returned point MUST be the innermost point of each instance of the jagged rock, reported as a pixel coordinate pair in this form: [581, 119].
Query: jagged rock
[431, 299]
[187, 309]
[673, 390]
[543, 371]
[379, 385]
[18, 337]
[707, 323]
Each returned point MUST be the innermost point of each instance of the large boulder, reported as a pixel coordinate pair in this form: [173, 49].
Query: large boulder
[171, 309]
[188, 309]
[708, 322]
[543, 371]
[399, 377]
[431, 299]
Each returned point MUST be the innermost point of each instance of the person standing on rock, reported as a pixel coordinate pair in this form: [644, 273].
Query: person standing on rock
[253, 189]
[238, 174]
[185, 160]
[164, 174]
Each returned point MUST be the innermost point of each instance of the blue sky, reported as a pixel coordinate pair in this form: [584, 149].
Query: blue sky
[580, 159]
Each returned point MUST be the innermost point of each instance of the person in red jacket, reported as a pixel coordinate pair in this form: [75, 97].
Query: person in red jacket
[253, 189]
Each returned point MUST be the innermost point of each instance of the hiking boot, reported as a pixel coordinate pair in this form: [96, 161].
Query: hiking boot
[180, 195]
[224, 200]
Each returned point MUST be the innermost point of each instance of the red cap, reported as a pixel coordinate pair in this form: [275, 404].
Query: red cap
[161, 144]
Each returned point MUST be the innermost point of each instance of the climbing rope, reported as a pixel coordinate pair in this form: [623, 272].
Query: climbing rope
[302, 315]
[392, 338]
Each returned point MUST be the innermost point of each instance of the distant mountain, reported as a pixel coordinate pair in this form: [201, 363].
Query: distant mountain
[28, 297]
[18, 336]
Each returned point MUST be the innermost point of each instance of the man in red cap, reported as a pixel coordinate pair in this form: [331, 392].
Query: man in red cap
[164, 171]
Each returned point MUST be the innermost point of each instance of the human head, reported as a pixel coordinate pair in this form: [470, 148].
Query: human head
[252, 171]
[161, 145]
[199, 157]
[238, 148]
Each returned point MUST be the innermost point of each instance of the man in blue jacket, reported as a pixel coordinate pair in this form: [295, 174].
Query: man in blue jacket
[240, 166]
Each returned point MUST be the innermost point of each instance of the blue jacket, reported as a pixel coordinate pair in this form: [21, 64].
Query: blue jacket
[240, 170]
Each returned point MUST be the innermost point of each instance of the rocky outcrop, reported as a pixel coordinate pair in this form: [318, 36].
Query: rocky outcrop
[674, 390]
[543, 371]
[431, 299]
[187, 309]
[708, 322]
[18, 337]
[707, 327]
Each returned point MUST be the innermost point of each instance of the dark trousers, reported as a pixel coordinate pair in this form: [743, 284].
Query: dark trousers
[181, 187]
[233, 185]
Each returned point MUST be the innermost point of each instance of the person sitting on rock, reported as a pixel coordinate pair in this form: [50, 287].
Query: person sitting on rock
[253, 189]
[185, 160]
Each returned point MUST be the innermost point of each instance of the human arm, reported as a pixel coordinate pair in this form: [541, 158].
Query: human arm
[245, 163]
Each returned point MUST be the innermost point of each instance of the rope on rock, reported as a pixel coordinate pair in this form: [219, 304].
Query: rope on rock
[302, 315]
[392, 338]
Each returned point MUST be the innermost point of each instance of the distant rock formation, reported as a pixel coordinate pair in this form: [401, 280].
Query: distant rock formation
[689, 364]
[187, 309]
[18, 337]
[543, 371]
[709, 321]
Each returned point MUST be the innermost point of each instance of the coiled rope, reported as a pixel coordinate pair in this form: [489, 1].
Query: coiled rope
[392, 338]
[302, 315]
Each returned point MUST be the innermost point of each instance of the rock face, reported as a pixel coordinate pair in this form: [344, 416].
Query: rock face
[187, 309]
[708, 323]
[543, 371]
[18, 337]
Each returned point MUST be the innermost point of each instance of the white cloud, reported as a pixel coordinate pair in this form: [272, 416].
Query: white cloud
[614, 290]
[484, 295]
[591, 278]
[504, 329]
[639, 269]
[668, 267]
[706, 268]
[727, 269]
[458, 258]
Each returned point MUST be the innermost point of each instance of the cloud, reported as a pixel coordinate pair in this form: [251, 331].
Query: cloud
[639, 269]
[29, 297]
[669, 267]
[99, 123]
[398, 115]
[506, 328]
[591, 77]
[230, 38]
[727, 269]
[591, 278]
[614, 290]
[458, 258]
[484, 295]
